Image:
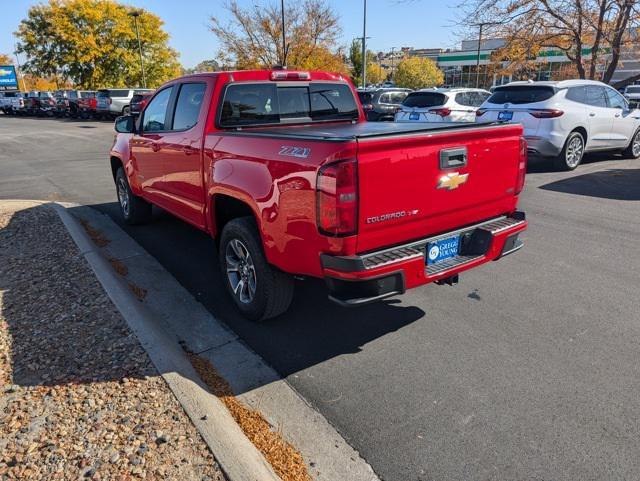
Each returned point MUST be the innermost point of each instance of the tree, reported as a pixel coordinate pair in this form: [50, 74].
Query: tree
[253, 37]
[93, 43]
[204, 66]
[375, 74]
[417, 72]
[5, 59]
[590, 33]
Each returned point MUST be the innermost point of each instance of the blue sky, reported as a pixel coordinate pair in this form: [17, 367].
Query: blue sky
[390, 23]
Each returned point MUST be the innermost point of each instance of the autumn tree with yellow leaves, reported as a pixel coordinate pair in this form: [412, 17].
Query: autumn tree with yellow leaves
[93, 44]
[252, 38]
[417, 72]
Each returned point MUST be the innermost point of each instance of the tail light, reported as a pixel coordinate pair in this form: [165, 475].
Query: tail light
[546, 113]
[480, 112]
[522, 166]
[442, 112]
[337, 198]
[367, 106]
[52, 102]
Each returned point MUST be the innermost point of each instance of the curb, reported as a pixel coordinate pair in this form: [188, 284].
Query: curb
[237, 456]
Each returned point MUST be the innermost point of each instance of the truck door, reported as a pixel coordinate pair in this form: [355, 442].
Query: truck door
[147, 146]
[183, 185]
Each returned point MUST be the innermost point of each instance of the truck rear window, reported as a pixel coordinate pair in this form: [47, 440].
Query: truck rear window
[521, 94]
[266, 103]
[424, 99]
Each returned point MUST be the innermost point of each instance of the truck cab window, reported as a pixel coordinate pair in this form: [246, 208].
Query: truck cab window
[188, 105]
[156, 112]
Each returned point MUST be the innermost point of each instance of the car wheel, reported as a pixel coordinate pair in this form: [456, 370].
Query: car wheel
[135, 210]
[126, 110]
[633, 150]
[572, 152]
[258, 290]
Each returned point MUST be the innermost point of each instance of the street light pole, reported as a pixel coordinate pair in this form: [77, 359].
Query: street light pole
[284, 40]
[478, 57]
[364, 47]
[393, 65]
[135, 14]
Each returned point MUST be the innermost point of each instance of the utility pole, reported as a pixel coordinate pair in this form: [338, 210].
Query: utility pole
[393, 65]
[15, 52]
[364, 48]
[481, 25]
[478, 57]
[284, 40]
[135, 14]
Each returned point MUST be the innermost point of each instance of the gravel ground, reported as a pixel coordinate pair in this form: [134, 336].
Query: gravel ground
[79, 398]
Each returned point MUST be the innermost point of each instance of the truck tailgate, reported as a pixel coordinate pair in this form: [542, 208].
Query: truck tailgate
[406, 191]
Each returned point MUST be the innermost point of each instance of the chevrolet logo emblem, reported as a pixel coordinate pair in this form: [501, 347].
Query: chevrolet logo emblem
[452, 181]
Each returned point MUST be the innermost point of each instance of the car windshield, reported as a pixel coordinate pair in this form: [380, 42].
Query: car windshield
[268, 103]
[424, 99]
[521, 94]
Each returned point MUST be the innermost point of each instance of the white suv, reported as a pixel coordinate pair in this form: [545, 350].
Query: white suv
[565, 119]
[441, 105]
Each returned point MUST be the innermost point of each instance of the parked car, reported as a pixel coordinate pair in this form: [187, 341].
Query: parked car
[632, 94]
[563, 120]
[282, 168]
[138, 101]
[40, 103]
[381, 104]
[114, 102]
[87, 104]
[11, 102]
[67, 102]
[442, 105]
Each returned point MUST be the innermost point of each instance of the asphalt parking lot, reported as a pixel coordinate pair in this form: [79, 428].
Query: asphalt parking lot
[528, 369]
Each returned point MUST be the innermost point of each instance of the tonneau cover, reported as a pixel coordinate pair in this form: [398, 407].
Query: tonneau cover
[347, 131]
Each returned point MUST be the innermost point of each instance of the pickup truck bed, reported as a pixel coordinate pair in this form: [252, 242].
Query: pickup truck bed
[355, 131]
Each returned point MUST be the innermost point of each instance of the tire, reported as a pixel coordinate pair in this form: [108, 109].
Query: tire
[572, 153]
[126, 110]
[243, 264]
[633, 149]
[135, 210]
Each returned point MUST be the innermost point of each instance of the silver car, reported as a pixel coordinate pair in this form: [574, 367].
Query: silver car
[115, 102]
[632, 93]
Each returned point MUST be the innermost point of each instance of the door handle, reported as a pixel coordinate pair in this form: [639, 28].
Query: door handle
[188, 150]
[592, 114]
[155, 147]
[617, 115]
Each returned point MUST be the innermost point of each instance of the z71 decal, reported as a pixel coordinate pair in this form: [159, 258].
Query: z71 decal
[300, 152]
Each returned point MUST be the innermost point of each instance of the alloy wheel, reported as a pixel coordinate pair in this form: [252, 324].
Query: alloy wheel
[241, 271]
[123, 196]
[574, 152]
[635, 147]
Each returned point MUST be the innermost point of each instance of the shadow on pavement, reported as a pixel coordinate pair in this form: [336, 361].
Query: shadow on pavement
[60, 326]
[615, 184]
[312, 331]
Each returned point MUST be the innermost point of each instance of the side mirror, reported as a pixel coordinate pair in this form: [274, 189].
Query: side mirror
[126, 124]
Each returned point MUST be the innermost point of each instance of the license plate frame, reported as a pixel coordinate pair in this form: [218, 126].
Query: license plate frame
[442, 249]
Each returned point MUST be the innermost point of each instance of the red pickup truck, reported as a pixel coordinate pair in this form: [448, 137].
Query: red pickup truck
[283, 170]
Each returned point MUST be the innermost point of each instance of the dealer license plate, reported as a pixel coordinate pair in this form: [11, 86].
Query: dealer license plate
[506, 115]
[442, 249]
[414, 116]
